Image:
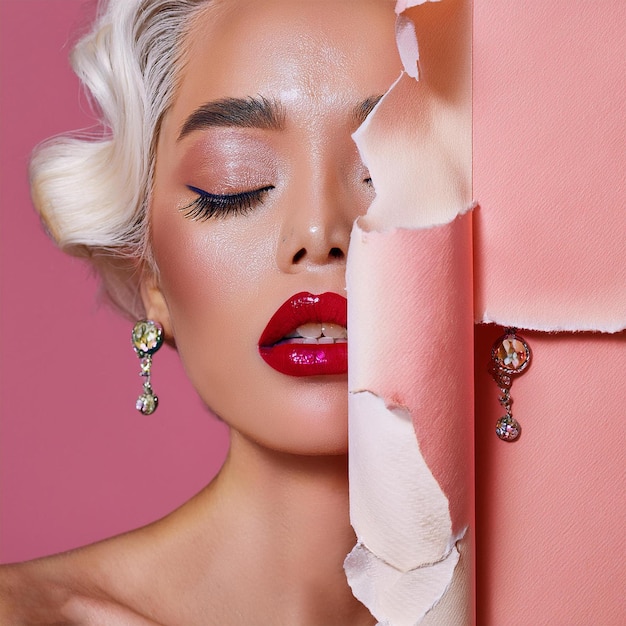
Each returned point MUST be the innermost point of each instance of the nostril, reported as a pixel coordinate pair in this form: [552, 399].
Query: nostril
[298, 255]
[333, 253]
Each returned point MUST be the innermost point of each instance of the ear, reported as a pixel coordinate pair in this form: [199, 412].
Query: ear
[155, 304]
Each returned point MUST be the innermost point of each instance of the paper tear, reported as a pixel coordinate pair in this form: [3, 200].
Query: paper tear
[417, 141]
[430, 184]
[415, 288]
[407, 46]
[397, 507]
[405, 557]
[410, 480]
[409, 260]
[540, 319]
[398, 598]
[403, 5]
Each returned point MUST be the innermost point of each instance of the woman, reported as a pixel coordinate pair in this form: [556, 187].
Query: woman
[247, 204]
[546, 554]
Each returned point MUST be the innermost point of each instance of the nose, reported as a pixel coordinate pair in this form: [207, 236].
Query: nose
[315, 231]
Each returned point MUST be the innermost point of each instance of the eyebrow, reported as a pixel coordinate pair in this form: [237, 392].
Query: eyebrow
[254, 112]
[364, 108]
[249, 112]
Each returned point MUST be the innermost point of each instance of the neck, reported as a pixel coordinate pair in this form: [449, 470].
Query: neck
[280, 530]
[303, 500]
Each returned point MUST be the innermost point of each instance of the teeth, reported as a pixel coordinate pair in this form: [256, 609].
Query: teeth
[334, 330]
[311, 330]
[314, 332]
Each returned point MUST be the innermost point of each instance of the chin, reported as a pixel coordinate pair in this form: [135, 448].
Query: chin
[318, 422]
[304, 416]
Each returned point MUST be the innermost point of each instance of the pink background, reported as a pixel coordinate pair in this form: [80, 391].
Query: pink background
[78, 463]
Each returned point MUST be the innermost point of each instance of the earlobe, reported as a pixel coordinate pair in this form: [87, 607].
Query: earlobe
[155, 304]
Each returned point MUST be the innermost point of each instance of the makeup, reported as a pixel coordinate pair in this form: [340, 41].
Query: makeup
[307, 336]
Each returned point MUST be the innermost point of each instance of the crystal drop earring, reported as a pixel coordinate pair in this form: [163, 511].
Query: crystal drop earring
[147, 338]
[510, 356]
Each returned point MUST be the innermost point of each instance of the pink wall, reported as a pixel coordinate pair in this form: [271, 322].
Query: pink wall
[77, 463]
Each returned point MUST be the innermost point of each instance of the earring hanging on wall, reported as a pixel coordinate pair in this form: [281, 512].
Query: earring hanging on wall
[510, 356]
[147, 338]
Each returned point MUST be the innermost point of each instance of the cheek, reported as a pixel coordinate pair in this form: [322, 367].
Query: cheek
[221, 285]
[208, 265]
[210, 274]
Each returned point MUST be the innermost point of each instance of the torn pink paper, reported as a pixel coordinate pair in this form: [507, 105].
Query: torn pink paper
[549, 148]
[404, 592]
[417, 142]
[405, 577]
[549, 145]
[403, 5]
[389, 472]
[417, 290]
[418, 150]
[411, 496]
[410, 332]
[406, 38]
[406, 597]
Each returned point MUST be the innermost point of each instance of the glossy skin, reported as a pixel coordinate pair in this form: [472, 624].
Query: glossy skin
[263, 543]
[222, 278]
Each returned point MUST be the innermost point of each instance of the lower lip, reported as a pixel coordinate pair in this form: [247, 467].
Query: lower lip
[306, 359]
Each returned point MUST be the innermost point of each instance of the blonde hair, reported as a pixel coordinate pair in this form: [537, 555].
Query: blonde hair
[92, 192]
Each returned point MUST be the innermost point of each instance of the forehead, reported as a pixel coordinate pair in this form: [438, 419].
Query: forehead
[289, 49]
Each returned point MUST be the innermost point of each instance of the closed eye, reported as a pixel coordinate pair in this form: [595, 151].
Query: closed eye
[208, 205]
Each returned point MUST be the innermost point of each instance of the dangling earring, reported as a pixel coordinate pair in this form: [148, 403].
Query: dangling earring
[147, 338]
[510, 356]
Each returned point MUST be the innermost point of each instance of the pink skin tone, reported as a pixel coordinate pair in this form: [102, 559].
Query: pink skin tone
[265, 541]
[221, 281]
[295, 240]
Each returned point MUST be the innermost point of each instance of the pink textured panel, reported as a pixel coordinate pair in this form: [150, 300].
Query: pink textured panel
[549, 150]
[550, 507]
[422, 358]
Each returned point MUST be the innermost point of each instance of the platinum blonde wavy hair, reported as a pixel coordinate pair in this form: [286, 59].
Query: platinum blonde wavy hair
[92, 192]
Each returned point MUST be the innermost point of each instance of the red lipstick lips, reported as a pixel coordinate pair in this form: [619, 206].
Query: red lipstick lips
[306, 336]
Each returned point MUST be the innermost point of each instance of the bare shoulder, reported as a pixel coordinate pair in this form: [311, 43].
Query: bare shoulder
[73, 588]
[33, 592]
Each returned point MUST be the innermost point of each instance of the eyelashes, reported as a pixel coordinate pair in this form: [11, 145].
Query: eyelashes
[208, 205]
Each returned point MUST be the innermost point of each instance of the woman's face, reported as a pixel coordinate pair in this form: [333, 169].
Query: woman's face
[257, 185]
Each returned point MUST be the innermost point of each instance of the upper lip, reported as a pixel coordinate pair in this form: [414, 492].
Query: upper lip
[302, 308]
